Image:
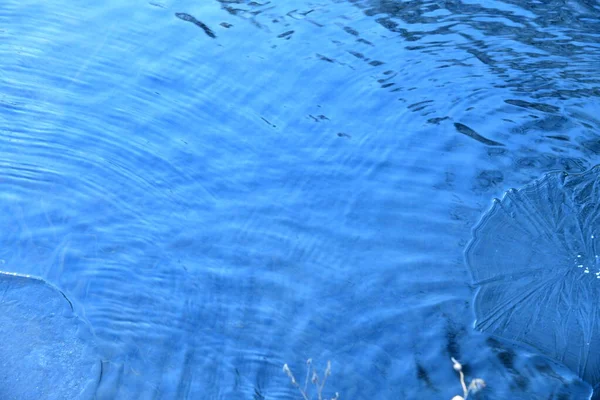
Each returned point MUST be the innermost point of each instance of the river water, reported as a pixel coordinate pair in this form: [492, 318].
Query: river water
[222, 187]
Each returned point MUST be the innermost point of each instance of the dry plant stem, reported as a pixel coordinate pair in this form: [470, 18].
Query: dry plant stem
[458, 368]
[314, 380]
[308, 363]
[303, 392]
[327, 373]
[287, 370]
[463, 384]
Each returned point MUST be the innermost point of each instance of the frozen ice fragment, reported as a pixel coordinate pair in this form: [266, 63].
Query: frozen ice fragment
[47, 351]
[548, 305]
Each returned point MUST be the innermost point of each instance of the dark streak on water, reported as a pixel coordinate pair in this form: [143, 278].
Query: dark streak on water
[200, 24]
[536, 106]
[325, 58]
[268, 122]
[285, 34]
[465, 130]
[423, 376]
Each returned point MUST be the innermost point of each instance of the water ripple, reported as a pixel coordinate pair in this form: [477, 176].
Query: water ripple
[300, 183]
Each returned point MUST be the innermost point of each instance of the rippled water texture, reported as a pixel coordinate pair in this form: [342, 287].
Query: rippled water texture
[221, 187]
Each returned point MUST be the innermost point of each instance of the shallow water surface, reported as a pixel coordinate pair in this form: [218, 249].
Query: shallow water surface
[222, 187]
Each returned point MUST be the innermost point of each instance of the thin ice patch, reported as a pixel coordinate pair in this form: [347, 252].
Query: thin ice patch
[47, 351]
[535, 260]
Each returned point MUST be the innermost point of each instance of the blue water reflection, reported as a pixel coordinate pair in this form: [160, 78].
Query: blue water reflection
[223, 187]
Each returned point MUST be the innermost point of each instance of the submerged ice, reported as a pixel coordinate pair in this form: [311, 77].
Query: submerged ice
[46, 351]
[535, 260]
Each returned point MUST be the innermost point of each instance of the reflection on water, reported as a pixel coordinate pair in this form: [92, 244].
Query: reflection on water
[278, 181]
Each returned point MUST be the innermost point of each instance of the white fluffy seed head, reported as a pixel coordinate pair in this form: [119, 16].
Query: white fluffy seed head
[476, 385]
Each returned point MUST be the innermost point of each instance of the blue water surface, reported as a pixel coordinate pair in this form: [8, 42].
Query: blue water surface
[224, 186]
